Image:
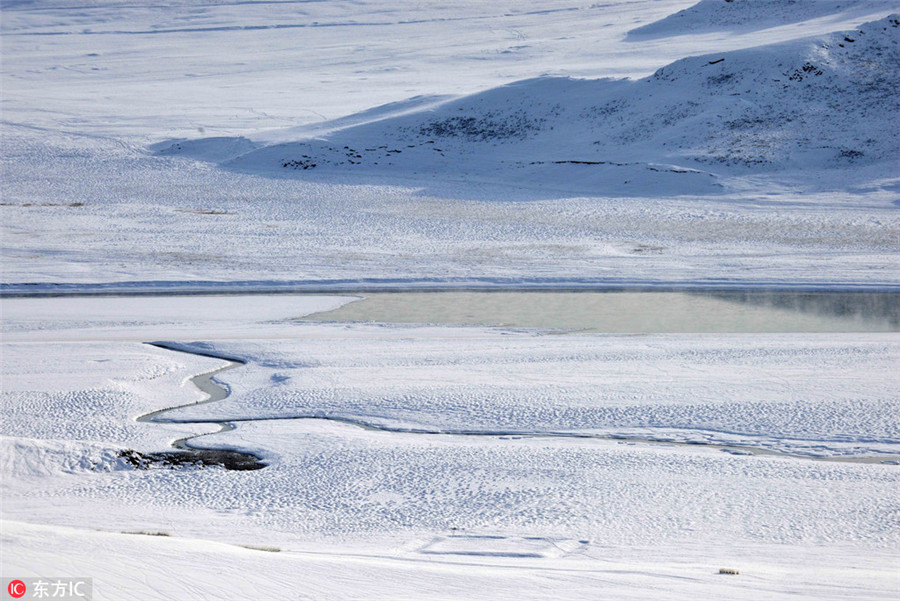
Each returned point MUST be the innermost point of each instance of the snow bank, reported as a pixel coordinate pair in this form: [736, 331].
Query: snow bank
[173, 567]
[30, 458]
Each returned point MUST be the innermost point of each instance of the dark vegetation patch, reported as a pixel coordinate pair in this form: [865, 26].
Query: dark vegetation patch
[332, 155]
[581, 163]
[647, 249]
[489, 127]
[262, 548]
[807, 70]
[303, 163]
[601, 112]
[851, 154]
[717, 80]
[193, 458]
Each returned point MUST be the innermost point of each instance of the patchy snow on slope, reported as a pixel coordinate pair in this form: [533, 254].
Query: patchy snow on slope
[706, 171]
[819, 105]
[165, 222]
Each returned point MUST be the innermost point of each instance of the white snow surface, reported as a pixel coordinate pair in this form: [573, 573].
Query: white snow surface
[353, 510]
[767, 390]
[821, 104]
[706, 173]
[160, 146]
[741, 16]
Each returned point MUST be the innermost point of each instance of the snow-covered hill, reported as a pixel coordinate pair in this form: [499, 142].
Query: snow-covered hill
[748, 15]
[821, 104]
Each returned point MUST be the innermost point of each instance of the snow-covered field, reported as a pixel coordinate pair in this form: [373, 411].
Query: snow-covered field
[166, 143]
[346, 145]
[358, 510]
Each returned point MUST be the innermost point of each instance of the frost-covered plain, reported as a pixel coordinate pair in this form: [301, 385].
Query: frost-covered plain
[357, 509]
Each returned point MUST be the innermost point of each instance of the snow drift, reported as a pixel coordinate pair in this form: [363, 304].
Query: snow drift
[825, 104]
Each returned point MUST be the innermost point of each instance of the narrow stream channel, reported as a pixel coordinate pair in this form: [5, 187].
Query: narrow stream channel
[187, 453]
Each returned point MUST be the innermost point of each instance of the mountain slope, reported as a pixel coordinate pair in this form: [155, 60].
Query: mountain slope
[825, 104]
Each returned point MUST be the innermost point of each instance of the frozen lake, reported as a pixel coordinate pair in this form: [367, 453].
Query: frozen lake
[758, 311]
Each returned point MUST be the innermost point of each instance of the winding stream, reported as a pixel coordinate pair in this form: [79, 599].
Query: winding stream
[187, 453]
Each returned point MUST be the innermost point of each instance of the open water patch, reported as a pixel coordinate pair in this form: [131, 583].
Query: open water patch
[634, 312]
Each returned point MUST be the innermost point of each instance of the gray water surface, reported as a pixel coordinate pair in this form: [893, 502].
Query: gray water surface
[724, 311]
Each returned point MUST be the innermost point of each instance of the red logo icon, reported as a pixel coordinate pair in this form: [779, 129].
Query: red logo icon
[16, 588]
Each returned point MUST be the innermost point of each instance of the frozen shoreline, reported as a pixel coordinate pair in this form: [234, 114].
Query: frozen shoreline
[344, 287]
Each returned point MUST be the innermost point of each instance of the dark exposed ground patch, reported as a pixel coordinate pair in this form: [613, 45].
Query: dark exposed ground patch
[194, 458]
